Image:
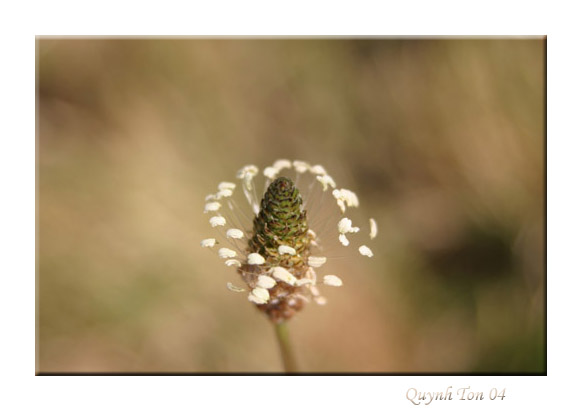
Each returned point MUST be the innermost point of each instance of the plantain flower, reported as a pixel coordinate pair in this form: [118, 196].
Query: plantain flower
[277, 241]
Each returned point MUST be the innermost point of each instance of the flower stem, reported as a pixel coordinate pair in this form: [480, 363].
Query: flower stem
[287, 356]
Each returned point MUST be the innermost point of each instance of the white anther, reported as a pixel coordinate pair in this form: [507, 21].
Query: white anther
[235, 234]
[343, 239]
[212, 207]
[224, 193]
[344, 225]
[226, 186]
[217, 221]
[255, 259]
[286, 250]
[212, 196]
[233, 262]
[373, 228]
[259, 296]
[316, 261]
[282, 274]
[234, 288]
[270, 172]
[318, 170]
[265, 282]
[282, 164]
[332, 280]
[225, 253]
[326, 181]
[247, 173]
[300, 166]
[208, 242]
[365, 251]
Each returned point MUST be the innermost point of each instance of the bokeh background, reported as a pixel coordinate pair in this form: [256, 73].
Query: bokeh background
[443, 140]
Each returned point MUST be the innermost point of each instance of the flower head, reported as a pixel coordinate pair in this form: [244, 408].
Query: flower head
[275, 244]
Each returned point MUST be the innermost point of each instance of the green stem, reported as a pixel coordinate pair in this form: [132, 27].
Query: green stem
[287, 356]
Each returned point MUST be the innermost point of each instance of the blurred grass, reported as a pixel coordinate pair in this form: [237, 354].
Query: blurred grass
[442, 139]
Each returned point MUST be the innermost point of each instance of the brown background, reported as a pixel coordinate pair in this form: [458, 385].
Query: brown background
[443, 140]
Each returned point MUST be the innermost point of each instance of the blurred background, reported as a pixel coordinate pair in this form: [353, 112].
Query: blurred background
[442, 139]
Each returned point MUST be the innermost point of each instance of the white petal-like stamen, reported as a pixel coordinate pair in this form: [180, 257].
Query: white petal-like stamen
[235, 234]
[255, 299]
[301, 166]
[234, 288]
[326, 181]
[314, 291]
[373, 228]
[255, 259]
[316, 261]
[282, 164]
[261, 293]
[332, 280]
[318, 170]
[224, 193]
[343, 239]
[365, 251]
[270, 172]
[282, 274]
[212, 207]
[286, 250]
[225, 253]
[212, 196]
[233, 262]
[341, 205]
[227, 186]
[208, 242]
[217, 221]
[265, 282]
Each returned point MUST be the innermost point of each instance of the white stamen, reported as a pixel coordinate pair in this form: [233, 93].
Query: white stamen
[282, 274]
[261, 294]
[345, 226]
[235, 234]
[345, 196]
[326, 181]
[282, 164]
[225, 253]
[208, 242]
[265, 282]
[316, 261]
[255, 259]
[247, 173]
[226, 186]
[365, 251]
[217, 221]
[224, 193]
[286, 250]
[233, 262]
[332, 280]
[255, 299]
[234, 288]
[314, 291]
[318, 170]
[270, 172]
[212, 196]
[373, 228]
[301, 166]
[343, 239]
[212, 207]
